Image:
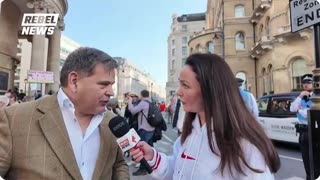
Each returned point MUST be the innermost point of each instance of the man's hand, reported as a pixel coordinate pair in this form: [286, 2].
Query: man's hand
[304, 93]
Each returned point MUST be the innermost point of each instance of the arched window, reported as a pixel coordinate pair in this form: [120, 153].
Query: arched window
[260, 31]
[210, 47]
[267, 25]
[239, 11]
[240, 40]
[264, 81]
[242, 76]
[270, 78]
[299, 68]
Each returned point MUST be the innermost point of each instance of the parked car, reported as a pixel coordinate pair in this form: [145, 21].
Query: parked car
[276, 118]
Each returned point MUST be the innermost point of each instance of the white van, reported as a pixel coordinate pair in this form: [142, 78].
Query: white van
[276, 118]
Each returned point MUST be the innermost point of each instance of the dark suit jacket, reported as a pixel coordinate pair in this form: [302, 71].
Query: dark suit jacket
[34, 144]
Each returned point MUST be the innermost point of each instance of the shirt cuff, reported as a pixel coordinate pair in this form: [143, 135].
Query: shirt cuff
[154, 163]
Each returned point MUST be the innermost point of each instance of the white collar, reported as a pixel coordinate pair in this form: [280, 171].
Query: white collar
[196, 124]
[65, 102]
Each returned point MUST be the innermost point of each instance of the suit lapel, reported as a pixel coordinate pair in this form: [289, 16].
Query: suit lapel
[54, 130]
[105, 146]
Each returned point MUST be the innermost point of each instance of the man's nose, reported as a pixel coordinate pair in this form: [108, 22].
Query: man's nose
[109, 91]
[179, 92]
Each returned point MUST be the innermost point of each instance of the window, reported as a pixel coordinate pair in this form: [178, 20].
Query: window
[262, 105]
[184, 28]
[260, 31]
[210, 47]
[267, 25]
[264, 81]
[240, 43]
[173, 42]
[173, 64]
[299, 68]
[270, 78]
[174, 29]
[281, 106]
[173, 52]
[184, 50]
[184, 18]
[184, 40]
[184, 61]
[239, 11]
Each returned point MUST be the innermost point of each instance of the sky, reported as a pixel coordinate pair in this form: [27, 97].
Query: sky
[133, 29]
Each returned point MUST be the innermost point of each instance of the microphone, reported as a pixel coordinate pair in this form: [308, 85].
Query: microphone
[126, 138]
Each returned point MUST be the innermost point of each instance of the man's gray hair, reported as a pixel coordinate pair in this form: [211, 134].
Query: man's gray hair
[83, 61]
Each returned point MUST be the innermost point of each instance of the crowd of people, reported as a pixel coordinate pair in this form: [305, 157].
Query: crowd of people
[14, 97]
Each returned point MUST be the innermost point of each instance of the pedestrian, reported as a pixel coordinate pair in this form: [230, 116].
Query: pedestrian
[145, 130]
[21, 95]
[113, 106]
[220, 138]
[162, 107]
[13, 97]
[301, 105]
[65, 135]
[37, 94]
[249, 99]
[132, 119]
[171, 109]
[4, 101]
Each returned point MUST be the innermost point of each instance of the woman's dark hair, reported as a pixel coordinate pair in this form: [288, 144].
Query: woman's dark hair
[227, 117]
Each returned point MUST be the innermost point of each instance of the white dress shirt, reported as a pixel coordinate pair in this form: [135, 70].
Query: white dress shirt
[85, 146]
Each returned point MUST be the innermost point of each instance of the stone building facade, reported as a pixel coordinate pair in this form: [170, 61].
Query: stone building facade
[45, 49]
[255, 39]
[181, 28]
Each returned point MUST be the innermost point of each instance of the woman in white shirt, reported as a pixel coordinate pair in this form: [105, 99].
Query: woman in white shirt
[220, 138]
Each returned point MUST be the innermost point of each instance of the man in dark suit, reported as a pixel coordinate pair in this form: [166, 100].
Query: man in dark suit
[66, 135]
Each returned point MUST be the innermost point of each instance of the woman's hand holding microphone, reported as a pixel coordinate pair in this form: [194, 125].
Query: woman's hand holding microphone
[142, 150]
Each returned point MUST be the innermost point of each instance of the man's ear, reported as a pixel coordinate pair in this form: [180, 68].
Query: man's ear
[73, 79]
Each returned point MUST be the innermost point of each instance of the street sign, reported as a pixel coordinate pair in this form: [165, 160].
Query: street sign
[304, 13]
[40, 77]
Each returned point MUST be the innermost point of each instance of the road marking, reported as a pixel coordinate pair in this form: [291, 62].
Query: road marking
[291, 158]
[175, 130]
[163, 150]
[164, 143]
[166, 137]
[294, 178]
